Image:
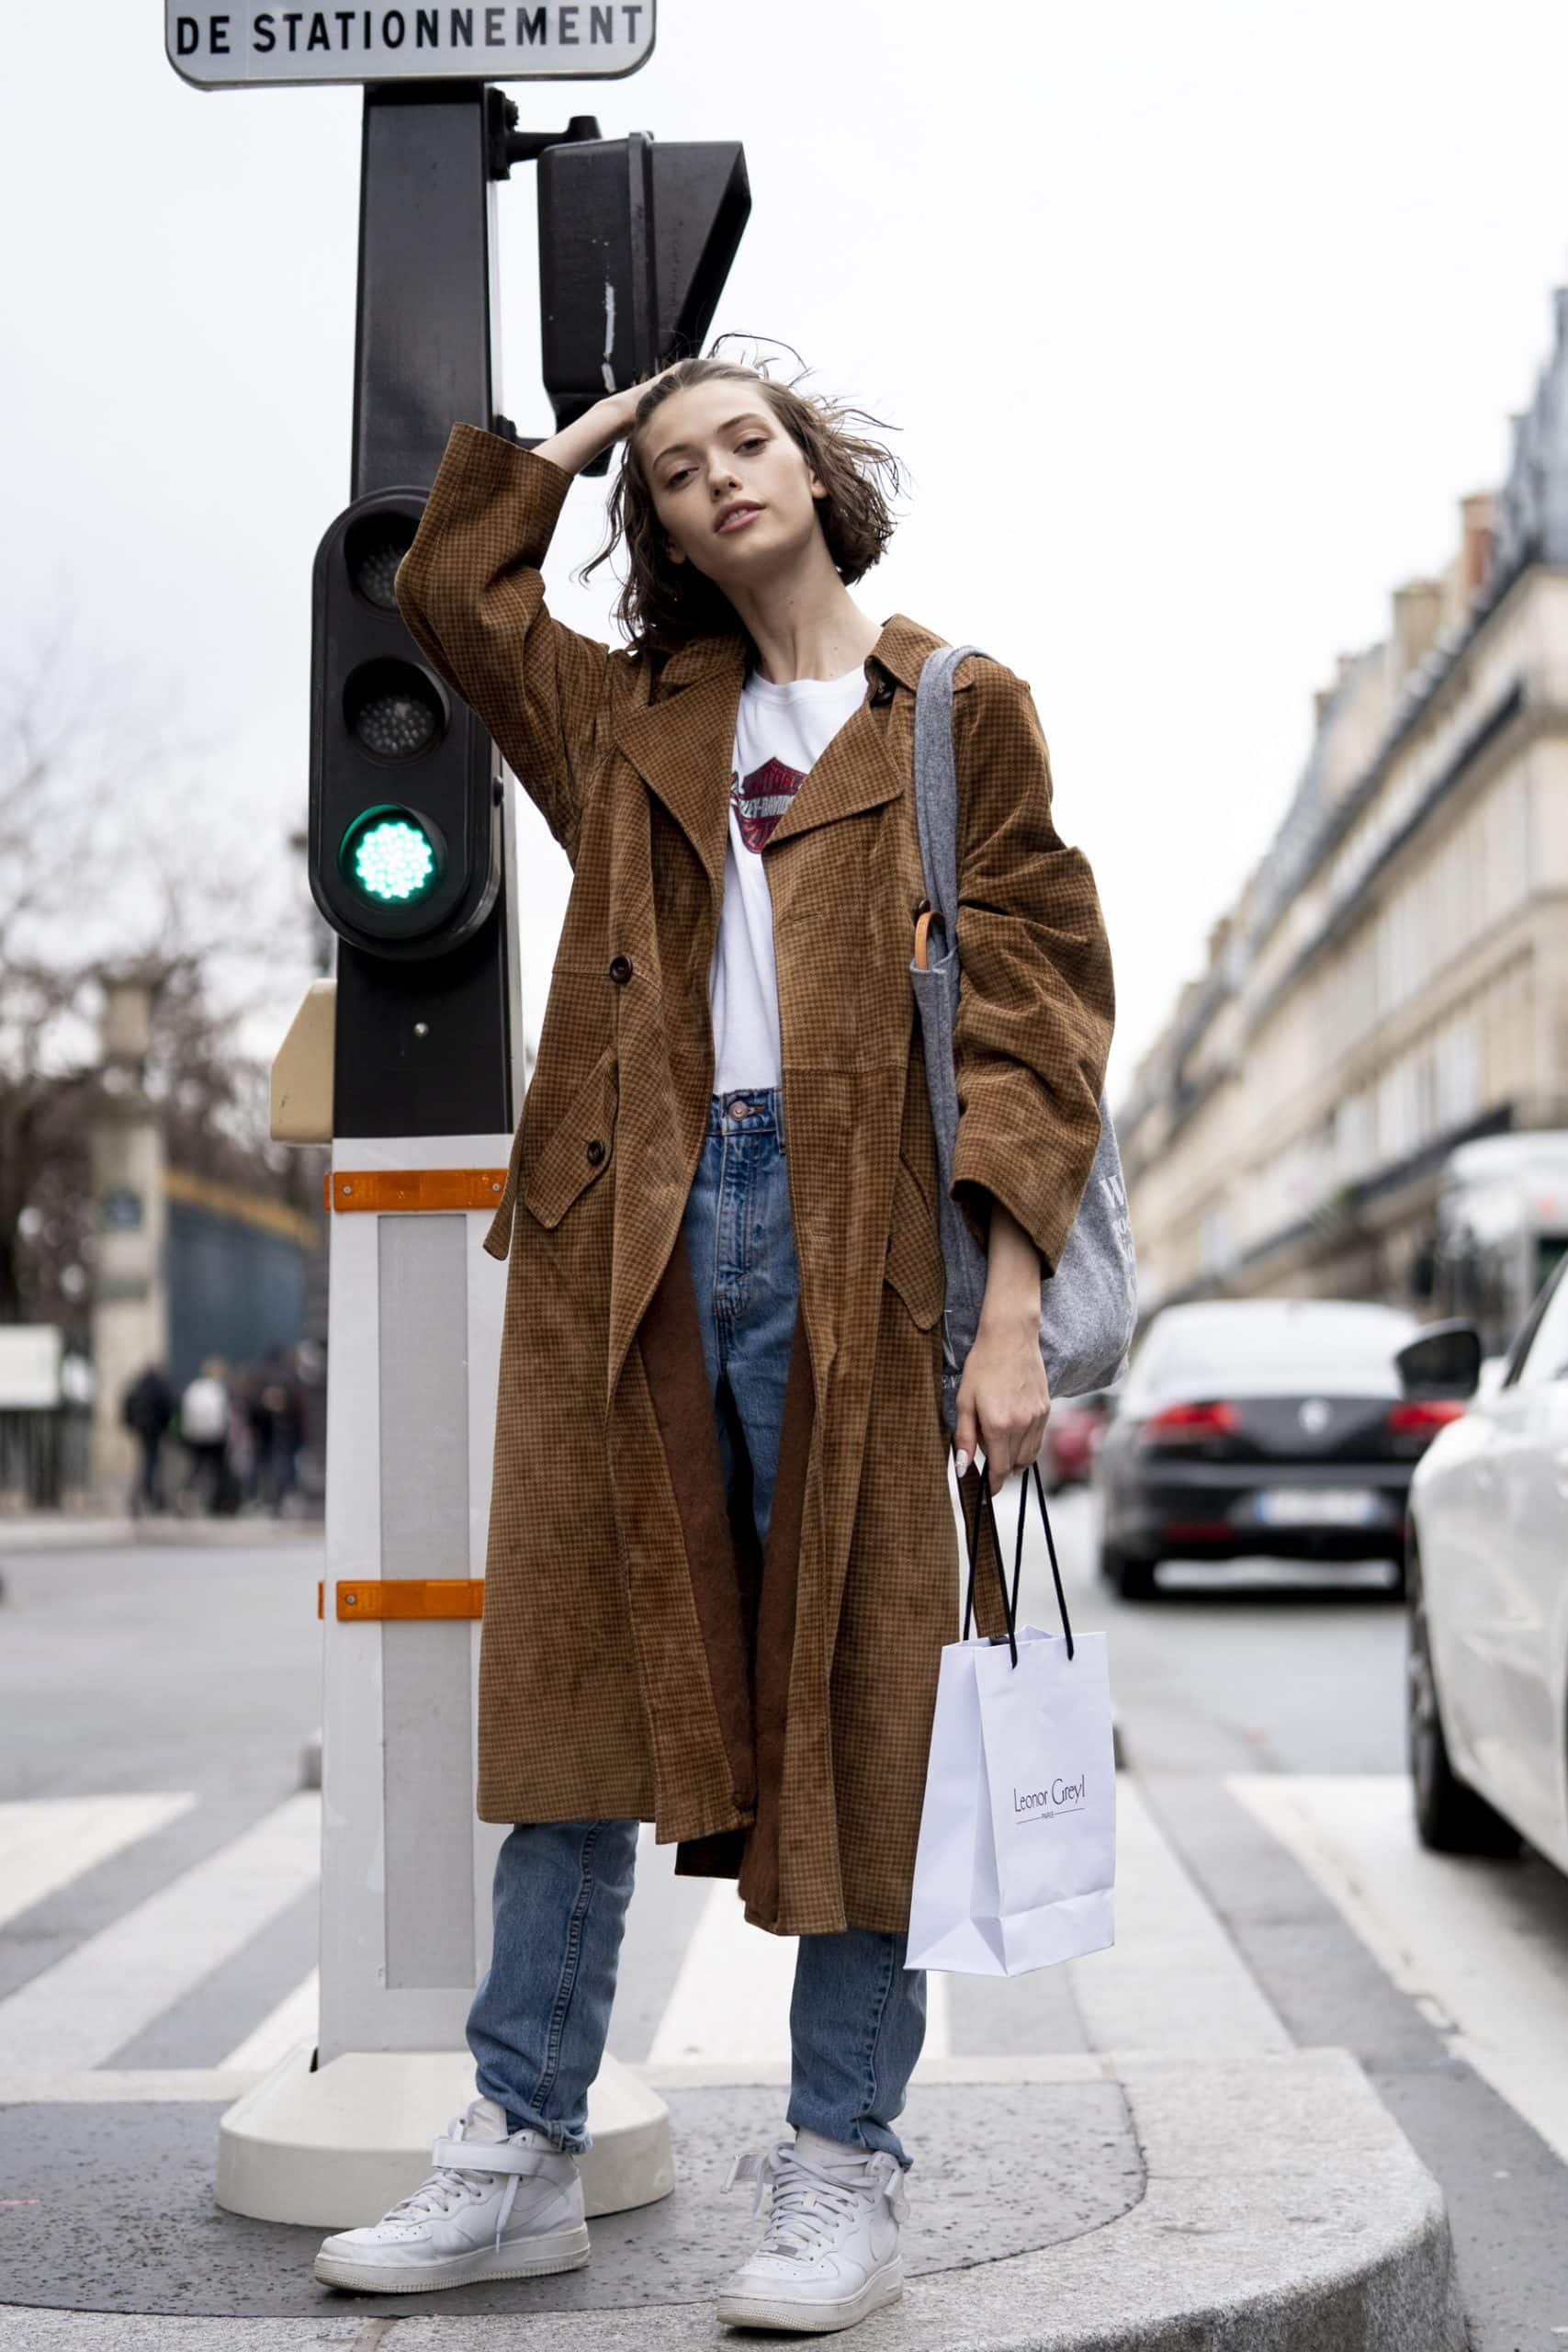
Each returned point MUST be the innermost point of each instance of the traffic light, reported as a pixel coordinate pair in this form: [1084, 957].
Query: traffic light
[636, 241]
[405, 816]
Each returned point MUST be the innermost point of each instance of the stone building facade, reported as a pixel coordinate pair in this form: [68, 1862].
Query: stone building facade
[1393, 978]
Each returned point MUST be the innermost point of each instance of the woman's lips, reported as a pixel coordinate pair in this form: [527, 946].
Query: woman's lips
[742, 515]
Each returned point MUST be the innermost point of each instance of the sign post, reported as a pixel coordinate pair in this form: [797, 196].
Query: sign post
[413, 1073]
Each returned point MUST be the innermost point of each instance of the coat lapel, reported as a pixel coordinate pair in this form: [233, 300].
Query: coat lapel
[681, 745]
[856, 770]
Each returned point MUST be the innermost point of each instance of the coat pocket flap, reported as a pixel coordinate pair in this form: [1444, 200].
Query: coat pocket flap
[581, 1147]
[915, 1265]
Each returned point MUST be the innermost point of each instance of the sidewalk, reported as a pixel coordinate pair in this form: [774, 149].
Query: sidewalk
[1141, 2158]
[92, 1532]
[1267, 2202]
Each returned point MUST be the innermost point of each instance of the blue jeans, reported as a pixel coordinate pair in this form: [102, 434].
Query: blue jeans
[539, 2018]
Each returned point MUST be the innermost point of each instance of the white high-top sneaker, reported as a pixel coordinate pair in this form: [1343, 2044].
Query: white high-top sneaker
[497, 2206]
[829, 2254]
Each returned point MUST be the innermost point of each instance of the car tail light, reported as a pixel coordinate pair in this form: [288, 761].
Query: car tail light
[1424, 1416]
[1188, 1423]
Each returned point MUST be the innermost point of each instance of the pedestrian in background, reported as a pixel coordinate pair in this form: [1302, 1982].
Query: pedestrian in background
[204, 1433]
[147, 1410]
[275, 1425]
[728, 1618]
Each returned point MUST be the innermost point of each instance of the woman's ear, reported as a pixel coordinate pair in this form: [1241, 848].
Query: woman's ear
[673, 552]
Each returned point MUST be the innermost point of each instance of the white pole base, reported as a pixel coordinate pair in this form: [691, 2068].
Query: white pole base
[335, 2148]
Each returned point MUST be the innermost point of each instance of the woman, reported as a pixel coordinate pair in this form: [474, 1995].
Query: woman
[722, 1558]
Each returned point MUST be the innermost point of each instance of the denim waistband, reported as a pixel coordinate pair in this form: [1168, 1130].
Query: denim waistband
[756, 1110]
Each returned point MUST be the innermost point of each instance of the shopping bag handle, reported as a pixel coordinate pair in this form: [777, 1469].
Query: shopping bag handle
[1010, 1602]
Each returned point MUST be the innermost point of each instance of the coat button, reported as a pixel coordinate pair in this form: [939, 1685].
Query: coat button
[596, 1152]
[620, 968]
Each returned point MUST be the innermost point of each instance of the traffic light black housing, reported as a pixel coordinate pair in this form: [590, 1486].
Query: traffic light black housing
[405, 808]
[636, 241]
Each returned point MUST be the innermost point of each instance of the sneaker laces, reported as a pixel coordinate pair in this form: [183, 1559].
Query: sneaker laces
[810, 2201]
[451, 2185]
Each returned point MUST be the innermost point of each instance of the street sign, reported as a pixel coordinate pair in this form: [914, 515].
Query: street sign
[250, 45]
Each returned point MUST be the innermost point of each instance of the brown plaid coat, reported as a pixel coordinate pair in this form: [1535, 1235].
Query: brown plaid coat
[639, 1659]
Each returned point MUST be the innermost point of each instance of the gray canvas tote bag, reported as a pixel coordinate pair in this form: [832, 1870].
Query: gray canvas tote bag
[1089, 1309]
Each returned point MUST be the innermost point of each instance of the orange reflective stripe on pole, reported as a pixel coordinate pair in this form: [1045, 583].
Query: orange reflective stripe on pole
[405, 1597]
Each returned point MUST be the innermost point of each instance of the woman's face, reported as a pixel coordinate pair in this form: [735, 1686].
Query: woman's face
[716, 448]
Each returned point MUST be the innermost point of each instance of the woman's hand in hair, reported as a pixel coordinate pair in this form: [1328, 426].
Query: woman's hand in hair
[619, 409]
[599, 427]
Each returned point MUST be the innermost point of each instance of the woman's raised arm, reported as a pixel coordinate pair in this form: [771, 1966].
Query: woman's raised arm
[471, 596]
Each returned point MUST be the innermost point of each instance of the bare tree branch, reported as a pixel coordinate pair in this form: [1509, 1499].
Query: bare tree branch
[115, 850]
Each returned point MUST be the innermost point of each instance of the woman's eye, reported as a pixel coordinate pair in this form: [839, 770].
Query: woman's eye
[753, 441]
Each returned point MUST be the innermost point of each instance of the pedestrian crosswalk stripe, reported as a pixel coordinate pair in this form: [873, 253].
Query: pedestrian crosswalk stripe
[296, 2018]
[1173, 1980]
[938, 2042]
[45, 1842]
[106, 1990]
[731, 1997]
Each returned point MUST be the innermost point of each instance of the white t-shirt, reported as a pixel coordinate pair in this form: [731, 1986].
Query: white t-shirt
[781, 731]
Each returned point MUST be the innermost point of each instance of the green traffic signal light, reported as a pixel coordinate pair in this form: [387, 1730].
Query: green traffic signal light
[405, 833]
[392, 858]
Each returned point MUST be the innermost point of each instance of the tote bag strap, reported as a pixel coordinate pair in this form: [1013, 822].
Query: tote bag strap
[936, 782]
[1010, 1602]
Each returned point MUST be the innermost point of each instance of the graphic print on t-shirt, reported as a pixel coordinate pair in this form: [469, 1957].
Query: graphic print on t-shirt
[760, 801]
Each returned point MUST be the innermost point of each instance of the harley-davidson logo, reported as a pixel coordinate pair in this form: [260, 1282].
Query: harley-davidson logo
[760, 801]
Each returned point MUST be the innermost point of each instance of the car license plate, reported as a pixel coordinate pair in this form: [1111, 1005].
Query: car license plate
[1316, 1506]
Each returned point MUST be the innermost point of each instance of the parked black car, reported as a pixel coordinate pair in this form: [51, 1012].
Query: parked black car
[1275, 1426]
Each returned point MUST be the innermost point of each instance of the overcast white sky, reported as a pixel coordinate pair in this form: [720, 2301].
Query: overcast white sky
[1197, 322]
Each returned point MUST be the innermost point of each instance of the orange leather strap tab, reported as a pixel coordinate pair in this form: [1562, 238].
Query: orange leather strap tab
[922, 930]
[402, 1598]
[381, 1190]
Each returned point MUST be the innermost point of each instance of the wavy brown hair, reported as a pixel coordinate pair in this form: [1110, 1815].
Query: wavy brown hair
[662, 604]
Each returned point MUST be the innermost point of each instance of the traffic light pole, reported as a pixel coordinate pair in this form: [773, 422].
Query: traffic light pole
[426, 1088]
[425, 1047]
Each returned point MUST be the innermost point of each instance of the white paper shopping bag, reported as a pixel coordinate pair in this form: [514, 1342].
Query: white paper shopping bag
[1015, 1866]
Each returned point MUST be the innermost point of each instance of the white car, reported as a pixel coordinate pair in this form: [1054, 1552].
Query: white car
[1486, 1568]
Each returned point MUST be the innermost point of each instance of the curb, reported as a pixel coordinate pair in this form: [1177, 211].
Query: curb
[1283, 2211]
